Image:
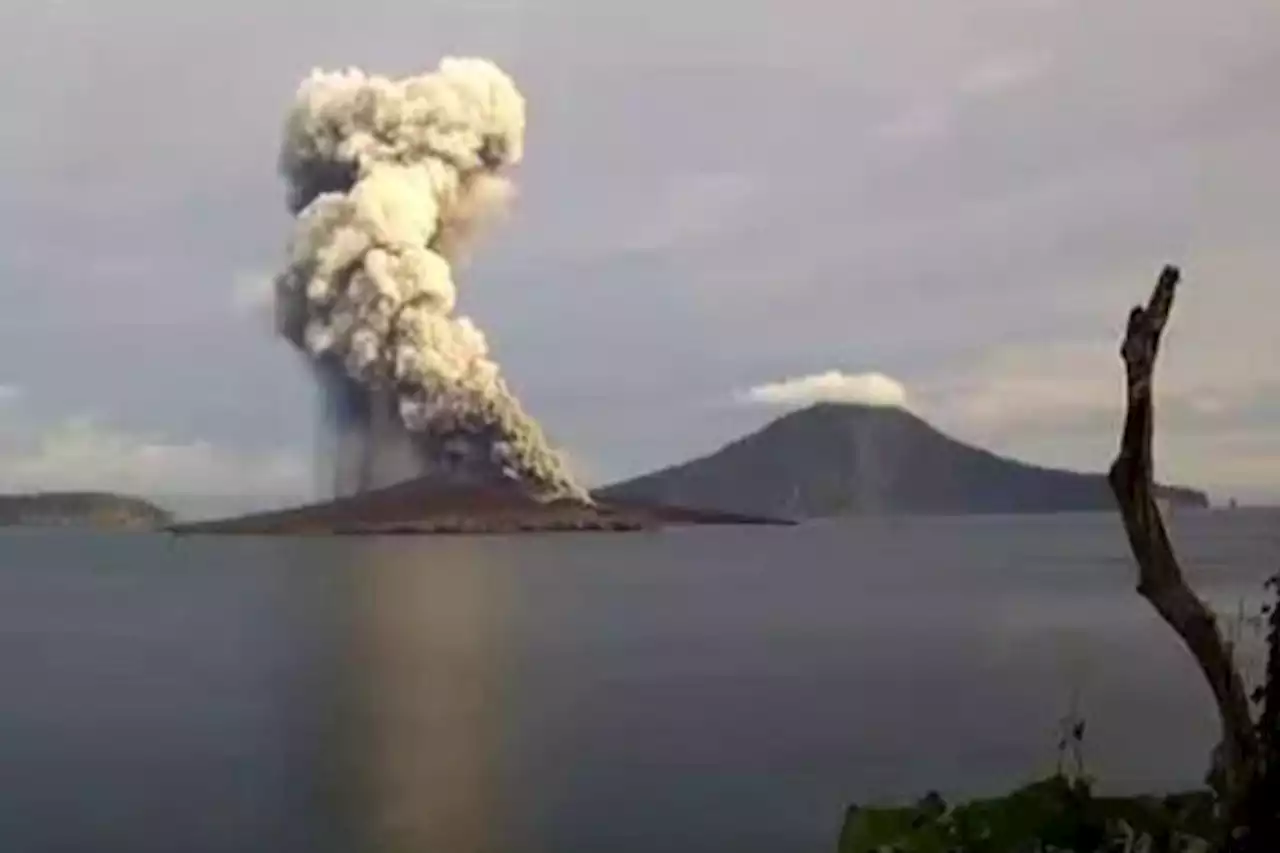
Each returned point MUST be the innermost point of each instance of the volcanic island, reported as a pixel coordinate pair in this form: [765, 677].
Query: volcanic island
[421, 506]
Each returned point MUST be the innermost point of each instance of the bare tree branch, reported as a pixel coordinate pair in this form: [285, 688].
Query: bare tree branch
[1160, 578]
[1266, 799]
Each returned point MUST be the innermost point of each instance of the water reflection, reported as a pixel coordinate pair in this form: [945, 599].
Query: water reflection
[419, 710]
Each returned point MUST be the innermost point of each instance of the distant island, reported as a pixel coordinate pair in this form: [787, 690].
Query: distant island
[835, 459]
[96, 510]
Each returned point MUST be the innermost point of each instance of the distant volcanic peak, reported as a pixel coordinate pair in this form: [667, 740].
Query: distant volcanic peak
[837, 418]
[840, 458]
[826, 416]
[836, 408]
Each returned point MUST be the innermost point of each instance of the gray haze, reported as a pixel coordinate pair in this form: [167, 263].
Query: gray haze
[964, 198]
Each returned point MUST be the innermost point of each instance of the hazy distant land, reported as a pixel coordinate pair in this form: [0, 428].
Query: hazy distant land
[98, 510]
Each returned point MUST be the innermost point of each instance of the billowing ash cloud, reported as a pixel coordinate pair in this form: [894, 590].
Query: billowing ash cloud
[389, 178]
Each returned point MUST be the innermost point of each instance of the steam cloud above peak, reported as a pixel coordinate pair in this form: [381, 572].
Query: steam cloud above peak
[390, 179]
[833, 386]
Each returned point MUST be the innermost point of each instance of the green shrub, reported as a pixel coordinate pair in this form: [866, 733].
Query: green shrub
[1057, 814]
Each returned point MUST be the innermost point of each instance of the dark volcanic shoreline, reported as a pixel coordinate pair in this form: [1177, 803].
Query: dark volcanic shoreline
[417, 507]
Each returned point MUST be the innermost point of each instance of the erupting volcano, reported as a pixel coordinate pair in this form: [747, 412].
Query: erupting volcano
[389, 180]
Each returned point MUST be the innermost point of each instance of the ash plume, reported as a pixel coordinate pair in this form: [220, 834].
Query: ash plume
[389, 180]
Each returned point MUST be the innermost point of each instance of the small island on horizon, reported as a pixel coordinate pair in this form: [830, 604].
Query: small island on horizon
[92, 510]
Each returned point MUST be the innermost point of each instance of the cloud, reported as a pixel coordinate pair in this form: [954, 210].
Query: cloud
[872, 389]
[9, 393]
[1051, 386]
[1061, 403]
[998, 75]
[82, 454]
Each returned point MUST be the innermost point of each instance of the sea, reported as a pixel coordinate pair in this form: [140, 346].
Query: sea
[707, 689]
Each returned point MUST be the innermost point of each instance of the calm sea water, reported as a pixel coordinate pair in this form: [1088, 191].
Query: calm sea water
[714, 689]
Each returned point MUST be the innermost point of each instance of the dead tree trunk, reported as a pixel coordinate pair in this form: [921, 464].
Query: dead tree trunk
[1160, 578]
[1266, 799]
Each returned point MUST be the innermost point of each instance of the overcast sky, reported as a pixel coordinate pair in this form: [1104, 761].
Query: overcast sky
[963, 196]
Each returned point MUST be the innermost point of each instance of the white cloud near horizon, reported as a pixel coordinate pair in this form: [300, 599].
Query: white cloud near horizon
[82, 454]
[833, 386]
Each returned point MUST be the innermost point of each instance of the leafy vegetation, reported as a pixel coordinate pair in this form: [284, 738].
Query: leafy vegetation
[1056, 814]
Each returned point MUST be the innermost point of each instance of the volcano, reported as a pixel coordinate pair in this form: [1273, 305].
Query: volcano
[841, 459]
[425, 506]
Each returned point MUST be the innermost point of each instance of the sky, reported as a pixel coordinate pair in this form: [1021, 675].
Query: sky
[726, 209]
